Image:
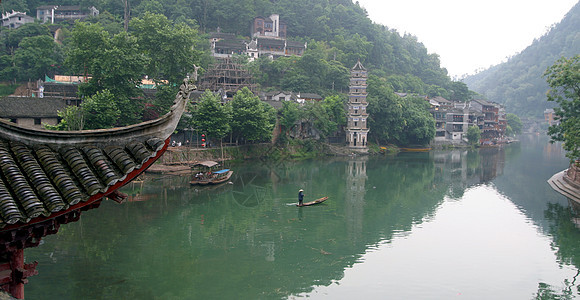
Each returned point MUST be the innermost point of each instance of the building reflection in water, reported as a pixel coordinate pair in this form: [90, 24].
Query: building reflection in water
[460, 169]
[356, 177]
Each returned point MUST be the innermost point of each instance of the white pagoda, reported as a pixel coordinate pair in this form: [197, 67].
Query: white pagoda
[356, 128]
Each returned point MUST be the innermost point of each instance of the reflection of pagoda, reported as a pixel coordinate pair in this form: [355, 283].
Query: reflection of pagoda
[356, 130]
[356, 178]
[47, 178]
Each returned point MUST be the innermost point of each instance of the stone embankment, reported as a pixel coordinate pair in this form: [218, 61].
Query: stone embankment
[567, 183]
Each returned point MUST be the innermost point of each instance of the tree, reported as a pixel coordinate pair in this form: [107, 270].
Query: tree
[211, 117]
[335, 110]
[317, 119]
[564, 80]
[385, 112]
[252, 119]
[86, 45]
[100, 110]
[473, 135]
[72, 118]
[515, 123]
[288, 116]
[113, 63]
[26, 52]
[172, 49]
[35, 57]
[419, 125]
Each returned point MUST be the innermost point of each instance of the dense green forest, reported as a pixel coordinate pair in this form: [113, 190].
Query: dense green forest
[519, 83]
[337, 32]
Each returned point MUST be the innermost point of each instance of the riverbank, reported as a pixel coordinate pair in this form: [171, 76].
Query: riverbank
[177, 160]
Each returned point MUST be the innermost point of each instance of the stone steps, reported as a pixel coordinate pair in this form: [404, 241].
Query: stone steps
[561, 185]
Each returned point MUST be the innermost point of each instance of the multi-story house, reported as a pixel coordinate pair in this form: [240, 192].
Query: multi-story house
[270, 26]
[491, 125]
[267, 38]
[452, 120]
[15, 19]
[59, 13]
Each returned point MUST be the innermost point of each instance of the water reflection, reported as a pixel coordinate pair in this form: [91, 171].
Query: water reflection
[247, 240]
[356, 178]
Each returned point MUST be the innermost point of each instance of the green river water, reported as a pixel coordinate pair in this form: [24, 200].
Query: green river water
[480, 224]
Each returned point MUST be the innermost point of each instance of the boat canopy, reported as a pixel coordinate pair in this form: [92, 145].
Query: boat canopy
[207, 163]
[221, 171]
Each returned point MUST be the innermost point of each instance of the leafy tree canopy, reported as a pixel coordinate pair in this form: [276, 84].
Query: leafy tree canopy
[100, 110]
[515, 123]
[252, 119]
[211, 117]
[473, 135]
[564, 81]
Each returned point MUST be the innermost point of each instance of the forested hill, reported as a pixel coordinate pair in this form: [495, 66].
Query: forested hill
[519, 82]
[338, 33]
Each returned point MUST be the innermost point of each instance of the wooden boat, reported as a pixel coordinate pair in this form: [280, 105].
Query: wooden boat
[317, 201]
[203, 173]
[426, 149]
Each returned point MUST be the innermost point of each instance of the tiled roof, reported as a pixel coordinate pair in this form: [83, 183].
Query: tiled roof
[231, 44]
[44, 174]
[40, 181]
[310, 96]
[266, 42]
[483, 102]
[15, 107]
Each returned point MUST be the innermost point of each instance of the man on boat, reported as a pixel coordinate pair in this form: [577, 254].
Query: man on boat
[300, 197]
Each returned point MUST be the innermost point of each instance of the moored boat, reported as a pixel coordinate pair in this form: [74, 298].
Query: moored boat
[203, 173]
[426, 149]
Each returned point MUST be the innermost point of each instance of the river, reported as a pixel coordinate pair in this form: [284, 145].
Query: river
[480, 224]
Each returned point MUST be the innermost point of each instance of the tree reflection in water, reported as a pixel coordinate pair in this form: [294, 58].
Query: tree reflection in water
[566, 240]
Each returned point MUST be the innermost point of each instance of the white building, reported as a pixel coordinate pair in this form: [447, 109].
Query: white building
[15, 19]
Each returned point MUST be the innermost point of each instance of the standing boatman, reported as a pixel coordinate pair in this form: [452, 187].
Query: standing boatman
[300, 197]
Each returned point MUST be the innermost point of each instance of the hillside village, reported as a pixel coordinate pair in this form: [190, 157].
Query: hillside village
[45, 97]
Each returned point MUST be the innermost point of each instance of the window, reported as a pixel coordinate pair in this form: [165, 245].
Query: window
[14, 121]
[37, 121]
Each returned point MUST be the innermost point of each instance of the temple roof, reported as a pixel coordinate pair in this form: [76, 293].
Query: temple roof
[44, 173]
[40, 180]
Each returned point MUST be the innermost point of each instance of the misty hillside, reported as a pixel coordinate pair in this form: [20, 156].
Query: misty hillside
[519, 82]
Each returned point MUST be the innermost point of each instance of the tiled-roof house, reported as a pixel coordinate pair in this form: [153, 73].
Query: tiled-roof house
[30, 111]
